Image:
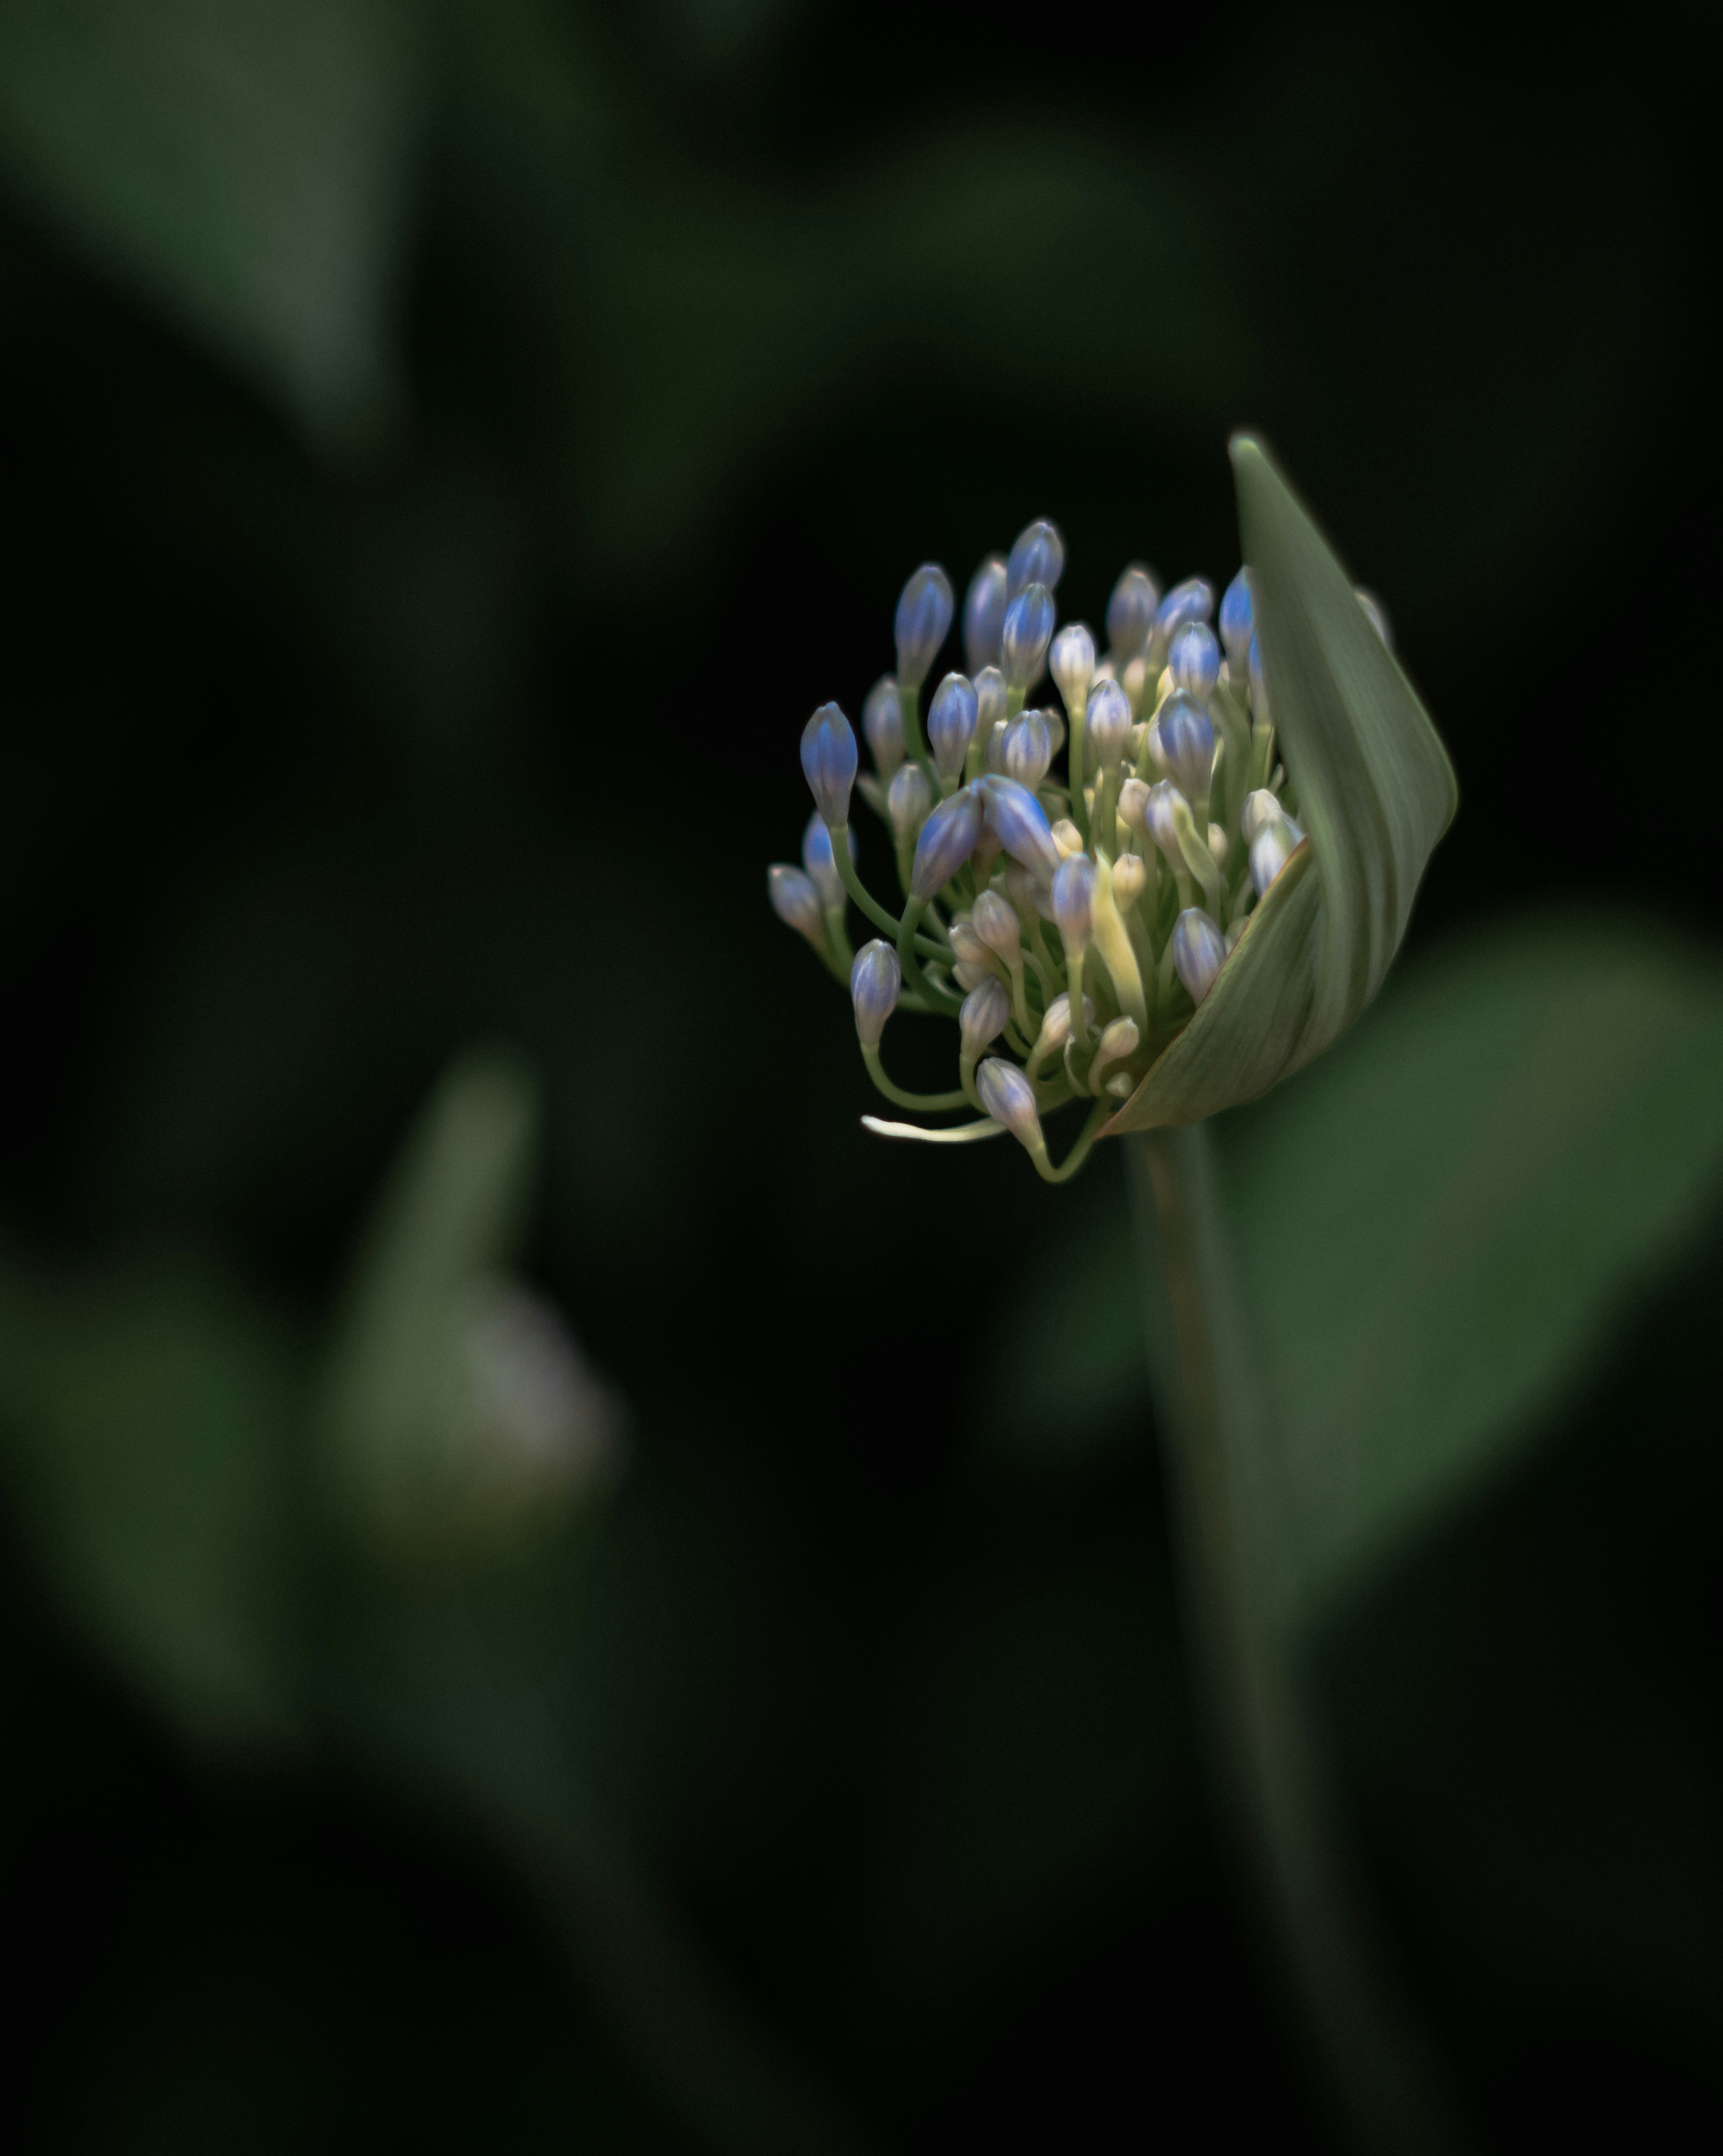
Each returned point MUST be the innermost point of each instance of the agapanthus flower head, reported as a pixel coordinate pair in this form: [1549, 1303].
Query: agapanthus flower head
[1216, 883]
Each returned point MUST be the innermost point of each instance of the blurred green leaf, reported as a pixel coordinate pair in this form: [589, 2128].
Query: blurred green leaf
[145, 1428]
[249, 161]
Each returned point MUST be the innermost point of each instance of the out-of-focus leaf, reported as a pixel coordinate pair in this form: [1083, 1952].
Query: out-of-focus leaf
[145, 1430]
[458, 1408]
[249, 161]
[1441, 1229]
[1376, 790]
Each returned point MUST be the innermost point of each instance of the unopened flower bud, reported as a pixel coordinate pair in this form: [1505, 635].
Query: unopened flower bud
[947, 840]
[1260, 807]
[1162, 802]
[1009, 1098]
[984, 614]
[828, 761]
[1270, 849]
[1377, 614]
[883, 723]
[986, 1012]
[1073, 897]
[1056, 1022]
[1067, 837]
[875, 979]
[1187, 737]
[995, 922]
[1028, 749]
[1071, 662]
[1129, 879]
[951, 723]
[1131, 612]
[1193, 658]
[819, 861]
[1134, 805]
[923, 616]
[1199, 951]
[908, 801]
[1117, 1041]
[1108, 723]
[968, 977]
[1019, 823]
[1027, 631]
[1238, 623]
[992, 699]
[1193, 600]
[993, 756]
[1219, 844]
[968, 947]
[796, 902]
[1037, 557]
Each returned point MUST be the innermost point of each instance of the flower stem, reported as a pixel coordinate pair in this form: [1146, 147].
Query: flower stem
[928, 1103]
[1381, 2072]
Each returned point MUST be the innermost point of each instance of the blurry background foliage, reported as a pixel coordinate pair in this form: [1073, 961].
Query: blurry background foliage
[447, 451]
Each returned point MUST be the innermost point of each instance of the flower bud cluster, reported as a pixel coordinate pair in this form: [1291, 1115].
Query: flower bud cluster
[1115, 888]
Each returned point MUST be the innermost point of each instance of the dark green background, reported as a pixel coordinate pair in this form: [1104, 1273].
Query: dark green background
[439, 679]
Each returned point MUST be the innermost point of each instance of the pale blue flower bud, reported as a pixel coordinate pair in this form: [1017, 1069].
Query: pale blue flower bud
[1009, 1099]
[1027, 632]
[883, 723]
[1108, 723]
[1071, 662]
[984, 614]
[1028, 749]
[828, 761]
[1377, 614]
[796, 902]
[1194, 656]
[1187, 736]
[1073, 897]
[951, 723]
[947, 840]
[908, 800]
[875, 979]
[923, 617]
[986, 1012]
[1038, 558]
[995, 921]
[1193, 600]
[1260, 807]
[1199, 951]
[820, 863]
[1159, 803]
[1271, 848]
[1131, 612]
[1020, 824]
[1238, 623]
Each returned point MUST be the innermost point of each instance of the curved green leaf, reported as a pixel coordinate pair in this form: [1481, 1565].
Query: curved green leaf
[1376, 790]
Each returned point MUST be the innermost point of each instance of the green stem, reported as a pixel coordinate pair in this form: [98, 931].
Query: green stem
[1382, 2072]
[927, 1103]
[1078, 1153]
[908, 943]
[865, 899]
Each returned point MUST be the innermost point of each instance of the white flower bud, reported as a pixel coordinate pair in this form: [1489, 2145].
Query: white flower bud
[995, 922]
[1071, 662]
[986, 1012]
[908, 800]
[1009, 1099]
[1129, 879]
[1067, 837]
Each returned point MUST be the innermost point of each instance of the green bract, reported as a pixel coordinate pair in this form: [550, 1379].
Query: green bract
[1376, 790]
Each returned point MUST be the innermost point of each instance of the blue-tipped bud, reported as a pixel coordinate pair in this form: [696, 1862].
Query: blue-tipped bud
[950, 724]
[1028, 749]
[1270, 850]
[1258, 687]
[1199, 951]
[986, 1012]
[1193, 600]
[947, 840]
[1009, 1099]
[1238, 622]
[883, 723]
[820, 863]
[795, 900]
[1038, 557]
[1159, 803]
[908, 800]
[1377, 614]
[923, 616]
[1194, 656]
[984, 613]
[1108, 723]
[1073, 900]
[1027, 632]
[1071, 662]
[1186, 733]
[1020, 824]
[1131, 612]
[994, 920]
[875, 979]
[828, 760]
[1056, 1023]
